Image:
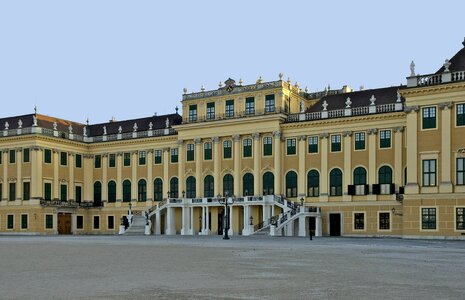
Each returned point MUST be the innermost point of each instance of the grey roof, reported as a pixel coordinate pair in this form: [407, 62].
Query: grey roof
[359, 98]
[457, 62]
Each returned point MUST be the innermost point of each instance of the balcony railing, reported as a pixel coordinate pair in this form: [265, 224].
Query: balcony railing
[435, 79]
[69, 204]
[236, 115]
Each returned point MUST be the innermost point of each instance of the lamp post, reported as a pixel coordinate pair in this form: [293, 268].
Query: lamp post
[168, 195]
[251, 220]
[302, 201]
[226, 202]
[183, 193]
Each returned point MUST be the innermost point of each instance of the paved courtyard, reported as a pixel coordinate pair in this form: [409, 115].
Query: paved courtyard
[175, 267]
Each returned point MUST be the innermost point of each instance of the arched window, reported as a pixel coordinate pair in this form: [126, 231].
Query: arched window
[385, 175]
[174, 186]
[190, 187]
[313, 183]
[268, 183]
[247, 185]
[291, 184]
[111, 191]
[97, 193]
[142, 190]
[208, 186]
[228, 185]
[360, 176]
[158, 189]
[335, 182]
[126, 191]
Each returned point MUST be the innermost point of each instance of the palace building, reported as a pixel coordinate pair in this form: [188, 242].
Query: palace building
[265, 158]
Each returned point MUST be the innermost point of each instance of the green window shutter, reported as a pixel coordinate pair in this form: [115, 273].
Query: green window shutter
[26, 155]
[112, 160]
[49, 221]
[192, 113]
[48, 156]
[190, 152]
[12, 195]
[174, 155]
[158, 154]
[12, 156]
[63, 158]
[98, 161]
[26, 190]
[10, 221]
[429, 117]
[291, 147]
[23, 221]
[47, 191]
[267, 146]
[127, 159]
[63, 192]
[460, 115]
[247, 145]
[78, 161]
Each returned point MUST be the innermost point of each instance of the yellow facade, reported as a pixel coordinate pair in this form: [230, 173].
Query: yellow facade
[382, 162]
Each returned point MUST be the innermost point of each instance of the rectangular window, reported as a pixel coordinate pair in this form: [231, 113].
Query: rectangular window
[79, 222]
[384, 221]
[174, 155]
[12, 156]
[98, 161]
[112, 160]
[78, 161]
[126, 159]
[63, 158]
[459, 220]
[313, 144]
[229, 109]
[249, 105]
[26, 155]
[360, 141]
[23, 221]
[26, 190]
[207, 151]
[12, 195]
[460, 116]
[190, 152]
[227, 149]
[291, 149]
[428, 218]
[247, 151]
[193, 113]
[429, 117]
[96, 224]
[10, 223]
[47, 156]
[77, 192]
[460, 171]
[111, 222]
[142, 158]
[385, 138]
[267, 146]
[158, 154]
[210, 111]
[63, 192]
[359, 221]
[47, 191]
[269, 103]
[336, 143]
[48, 221]
[429, 172]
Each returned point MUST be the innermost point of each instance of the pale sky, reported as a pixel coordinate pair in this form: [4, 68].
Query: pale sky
[128, 59]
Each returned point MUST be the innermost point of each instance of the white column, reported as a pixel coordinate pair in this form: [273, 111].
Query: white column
[198, 168]
[302, 226]
[318, 226]
[56, 165]
[19, 178]
[134, 183]
[191, 230]
[181, 167]
[256, 164]
[104, 177]
[372, 139]
[119, 176]
[445, 184]
[398, 156]
[302, 168]
[230, 231]
[277, 163]
[203, 220]
[216, 165]
[157, 223]
[347, 165]
[149, 163]
[5, 175]
[237, 164]
[324, 183]
[71, 165]
[169, 222]
[207, 218]
[36, 173]
[183, 221]
[166, 178]
[412, 150]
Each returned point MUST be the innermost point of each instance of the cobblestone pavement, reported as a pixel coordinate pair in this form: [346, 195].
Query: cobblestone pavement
[183, 267]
